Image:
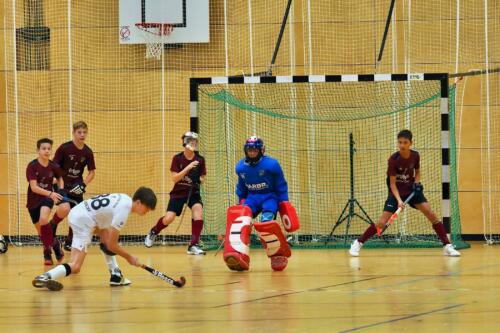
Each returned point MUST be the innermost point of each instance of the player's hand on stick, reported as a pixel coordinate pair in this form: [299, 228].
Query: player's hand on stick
[134, 261]
[418, 187]
[401, 204]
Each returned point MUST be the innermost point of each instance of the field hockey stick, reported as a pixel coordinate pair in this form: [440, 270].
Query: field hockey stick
[66, 199]
[394, 216]
[220, 247]
[178, 283]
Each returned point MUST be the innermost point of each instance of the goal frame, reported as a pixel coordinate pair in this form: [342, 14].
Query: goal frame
[444, 107]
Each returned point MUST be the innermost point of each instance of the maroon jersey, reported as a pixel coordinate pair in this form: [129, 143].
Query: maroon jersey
[73, 161]
[404, 171]
[189, 181]
[44, 177]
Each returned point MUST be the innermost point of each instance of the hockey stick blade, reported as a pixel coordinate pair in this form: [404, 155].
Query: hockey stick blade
[178, 283]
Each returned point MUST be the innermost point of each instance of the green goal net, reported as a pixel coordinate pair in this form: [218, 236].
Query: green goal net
[333, 140]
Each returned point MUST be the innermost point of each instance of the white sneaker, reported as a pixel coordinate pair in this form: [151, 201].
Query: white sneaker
[44, 281]
[150, 238]
[355, 247]
[449, 251]
[195, 250]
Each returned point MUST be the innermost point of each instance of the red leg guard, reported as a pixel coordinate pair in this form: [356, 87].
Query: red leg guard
[275, 244]
[289, 216]
[237, 238]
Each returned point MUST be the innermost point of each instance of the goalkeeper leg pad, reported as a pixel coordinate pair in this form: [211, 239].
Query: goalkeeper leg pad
[274, 242]
[237, 237]
[289, 216]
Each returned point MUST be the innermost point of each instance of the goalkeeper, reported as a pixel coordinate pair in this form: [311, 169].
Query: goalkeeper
[261, 189]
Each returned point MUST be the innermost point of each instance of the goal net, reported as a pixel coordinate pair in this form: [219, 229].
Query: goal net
[305, 122]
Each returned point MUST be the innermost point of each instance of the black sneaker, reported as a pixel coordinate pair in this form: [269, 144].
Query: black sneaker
[47, 258]
[58, 252]
[67, 244]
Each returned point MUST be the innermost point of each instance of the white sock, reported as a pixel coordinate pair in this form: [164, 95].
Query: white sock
[58, 272]
[111, 262]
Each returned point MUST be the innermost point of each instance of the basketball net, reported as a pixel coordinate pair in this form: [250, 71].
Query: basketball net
[152, 32]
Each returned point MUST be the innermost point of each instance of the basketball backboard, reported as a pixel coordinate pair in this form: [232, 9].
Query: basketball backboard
[190, 19]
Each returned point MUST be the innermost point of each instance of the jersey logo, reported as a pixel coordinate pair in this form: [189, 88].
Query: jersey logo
[82, 159]
[72, 157]
[74, 172]
[259, 186]
[242, 175]
[262, 172]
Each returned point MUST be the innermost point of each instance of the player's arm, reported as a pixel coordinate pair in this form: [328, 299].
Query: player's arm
[31, 176]
[90, 177]
[280, 184]
[58, 178]
[177, 176]
[40, 191]
[241, 189]
[176, 173]
[203, 172]
[60, 182]
[91, 169]
[110, 238]
[417, 176]
[394, 190]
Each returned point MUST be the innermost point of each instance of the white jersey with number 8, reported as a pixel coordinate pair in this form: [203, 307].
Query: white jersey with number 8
[108, 210]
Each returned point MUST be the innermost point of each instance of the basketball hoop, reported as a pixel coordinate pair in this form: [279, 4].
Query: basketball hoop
[152, 32]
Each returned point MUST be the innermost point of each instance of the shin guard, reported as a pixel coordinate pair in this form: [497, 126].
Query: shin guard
[274, 242]
[237, 238]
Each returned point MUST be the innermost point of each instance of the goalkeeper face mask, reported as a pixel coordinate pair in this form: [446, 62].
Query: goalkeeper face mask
[192, 144]
[190, 140]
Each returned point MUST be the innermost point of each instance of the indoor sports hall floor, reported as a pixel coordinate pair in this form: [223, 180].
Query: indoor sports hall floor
[321, 291]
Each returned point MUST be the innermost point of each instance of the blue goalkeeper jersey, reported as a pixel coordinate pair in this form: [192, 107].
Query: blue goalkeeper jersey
[260, 179]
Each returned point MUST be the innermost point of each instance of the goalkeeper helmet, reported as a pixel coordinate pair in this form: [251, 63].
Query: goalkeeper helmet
[256, 143]
[187, 137]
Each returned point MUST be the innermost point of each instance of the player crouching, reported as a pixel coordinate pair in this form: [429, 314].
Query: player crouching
[106, 213]
[261, 188]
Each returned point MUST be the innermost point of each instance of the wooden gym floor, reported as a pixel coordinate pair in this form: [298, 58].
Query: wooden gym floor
[320, 291]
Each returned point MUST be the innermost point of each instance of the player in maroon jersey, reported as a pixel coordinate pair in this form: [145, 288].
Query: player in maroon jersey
[188, 172]
[73, 156]
[40, 174]
[403, 178]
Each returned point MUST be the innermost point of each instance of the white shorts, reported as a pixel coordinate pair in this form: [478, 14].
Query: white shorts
[83, 228]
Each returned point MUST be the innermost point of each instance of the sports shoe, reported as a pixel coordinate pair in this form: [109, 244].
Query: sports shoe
[47, 258]
[58, 251]
[44, 281]
[150, 238]
[67, 244]
[117, 279]
[195, 250]
[449, 251]
[278, 263]
[355, 248]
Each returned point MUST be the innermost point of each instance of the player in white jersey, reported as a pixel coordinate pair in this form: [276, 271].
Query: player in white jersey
[106, 214]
